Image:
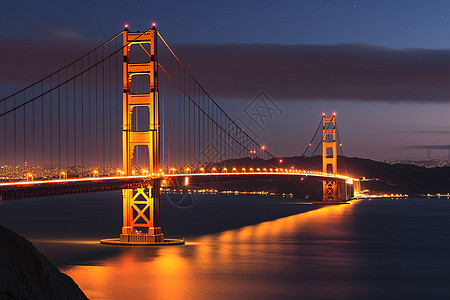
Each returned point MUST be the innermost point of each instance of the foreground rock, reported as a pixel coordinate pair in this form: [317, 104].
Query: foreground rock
[27, 274]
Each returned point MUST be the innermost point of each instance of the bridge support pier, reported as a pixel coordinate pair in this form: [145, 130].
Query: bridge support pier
[335, 192]
[141, 216]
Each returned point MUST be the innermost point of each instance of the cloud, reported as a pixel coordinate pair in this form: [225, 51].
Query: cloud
[434, 147]
[426, 132]
[28, 60]
[350, 72]
[354, 72]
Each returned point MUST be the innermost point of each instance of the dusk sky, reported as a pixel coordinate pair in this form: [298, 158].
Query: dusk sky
[382, 66]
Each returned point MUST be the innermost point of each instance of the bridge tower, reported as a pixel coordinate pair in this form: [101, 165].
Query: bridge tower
[329, 157]
[141, 207]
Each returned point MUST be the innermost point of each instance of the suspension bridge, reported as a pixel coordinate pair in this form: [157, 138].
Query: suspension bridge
[129, 116]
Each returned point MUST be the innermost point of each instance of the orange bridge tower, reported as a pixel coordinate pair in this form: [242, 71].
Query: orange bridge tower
[141, 223]
[141, 206]
[329, 157]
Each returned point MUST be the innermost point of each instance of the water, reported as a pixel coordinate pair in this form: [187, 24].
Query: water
[248, 247]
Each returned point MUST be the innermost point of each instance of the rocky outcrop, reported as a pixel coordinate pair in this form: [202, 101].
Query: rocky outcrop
[27, 274]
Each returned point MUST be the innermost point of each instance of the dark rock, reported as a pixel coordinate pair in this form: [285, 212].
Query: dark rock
[27, 274]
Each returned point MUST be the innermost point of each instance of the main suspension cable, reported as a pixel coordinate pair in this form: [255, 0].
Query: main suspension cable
[209, 96]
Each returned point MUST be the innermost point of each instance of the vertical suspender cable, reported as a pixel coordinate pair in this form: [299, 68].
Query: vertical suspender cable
[34, 132]
[82, 121]
[51, 127]
[42, 124]
[95, 112]
[59, 126]
[103, 113]
[67, 124]
[74, 123]
[189, 121]
[24, 132]
[89, 117]
[117, 110]
[179, 120]
[14, 134]
[110, 106]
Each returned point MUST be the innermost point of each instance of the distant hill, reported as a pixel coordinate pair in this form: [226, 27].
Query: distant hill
[380, 177]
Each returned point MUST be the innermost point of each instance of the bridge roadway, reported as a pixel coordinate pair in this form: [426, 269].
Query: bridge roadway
[41, 188]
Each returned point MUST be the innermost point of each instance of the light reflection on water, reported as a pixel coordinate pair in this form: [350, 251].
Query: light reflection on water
[280, 258]
[371, 249]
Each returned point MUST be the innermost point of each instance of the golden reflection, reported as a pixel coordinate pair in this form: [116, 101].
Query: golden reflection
[75, 242]
[231, 264]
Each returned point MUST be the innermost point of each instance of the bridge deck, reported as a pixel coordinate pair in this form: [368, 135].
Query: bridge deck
[41, 188]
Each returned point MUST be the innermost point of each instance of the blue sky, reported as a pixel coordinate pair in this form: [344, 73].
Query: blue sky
[381, 126]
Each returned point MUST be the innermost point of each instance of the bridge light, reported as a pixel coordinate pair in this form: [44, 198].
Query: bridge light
[188, 170]
[186, 180]
[154, 24]
[243, 170]
[280, 160]
[340, 145]
[234, 170]
[264, 170]
[29, 177]
[126, 26]
[301, 179]
[334, 114]
[258, 169]
[214, 169]
[323, 114]
[271, 170]
[263, 147]
[224, 170]
[202, 170]
[251, 169]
